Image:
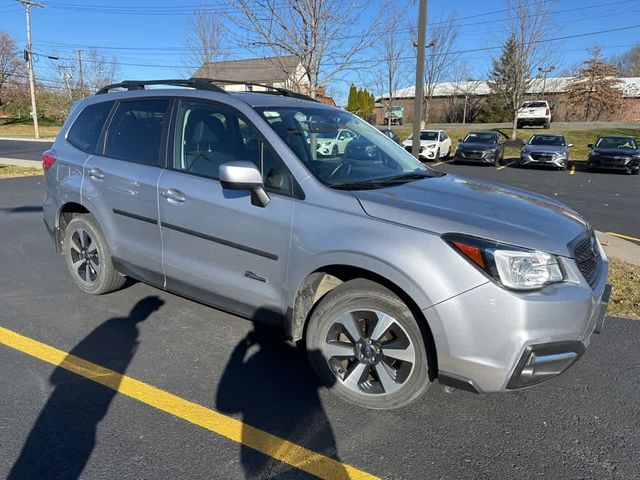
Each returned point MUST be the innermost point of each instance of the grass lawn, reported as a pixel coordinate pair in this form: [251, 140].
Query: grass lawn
[625, 297]
[580, 138]
[9, 171]
[23, 128]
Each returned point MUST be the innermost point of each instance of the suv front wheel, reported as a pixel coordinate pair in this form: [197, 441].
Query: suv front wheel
[87, 257]
[366, 346]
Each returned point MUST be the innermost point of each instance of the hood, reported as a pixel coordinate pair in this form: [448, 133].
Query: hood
[456, 204]
[545, 148]
[621, 152]
[477, 146]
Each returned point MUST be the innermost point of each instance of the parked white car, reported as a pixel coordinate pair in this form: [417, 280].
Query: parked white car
[434, 144]
[332, 144]
[535, 112]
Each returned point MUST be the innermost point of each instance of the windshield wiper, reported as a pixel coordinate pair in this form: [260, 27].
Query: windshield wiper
[380, 182]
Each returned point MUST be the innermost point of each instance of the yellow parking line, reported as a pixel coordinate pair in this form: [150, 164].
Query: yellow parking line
[228, 427]
[626, 237]
[441, 162]
[573, 170]
[505, 166]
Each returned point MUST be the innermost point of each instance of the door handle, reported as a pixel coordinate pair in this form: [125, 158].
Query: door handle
[96, 174]
[172, 194]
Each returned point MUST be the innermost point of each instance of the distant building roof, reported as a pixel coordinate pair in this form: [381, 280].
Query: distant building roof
[630, 87]
[257, 70]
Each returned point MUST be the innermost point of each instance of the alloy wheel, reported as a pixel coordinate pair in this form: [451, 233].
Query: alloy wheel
[369, 352]
[85, 258]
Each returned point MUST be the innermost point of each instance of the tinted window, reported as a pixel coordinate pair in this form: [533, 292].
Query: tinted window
[135, 132]
[547, 140]
[209, 135]
[481, 138]
[86, 130]
[616, 142]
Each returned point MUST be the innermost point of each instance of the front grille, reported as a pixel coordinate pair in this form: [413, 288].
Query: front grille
[587, 257]
[614, 160]
[472, 153]
[542, 157]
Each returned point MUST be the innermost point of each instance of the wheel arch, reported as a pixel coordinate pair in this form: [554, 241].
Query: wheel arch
[322, 280]
[66, 212]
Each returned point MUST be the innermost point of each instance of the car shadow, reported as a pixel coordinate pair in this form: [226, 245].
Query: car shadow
[64, 435]
[271, 385]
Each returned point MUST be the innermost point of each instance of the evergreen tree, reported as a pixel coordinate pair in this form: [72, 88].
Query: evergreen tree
[363, 103]
[352, 101]
[503, 82]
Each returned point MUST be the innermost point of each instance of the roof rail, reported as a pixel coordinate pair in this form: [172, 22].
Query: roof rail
[274, 90]
[197, 83]
[203, 84]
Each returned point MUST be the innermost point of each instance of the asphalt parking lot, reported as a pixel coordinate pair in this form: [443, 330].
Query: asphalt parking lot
[57, 424]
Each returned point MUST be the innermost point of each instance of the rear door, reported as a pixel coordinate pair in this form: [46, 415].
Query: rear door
[219, 247]
[121, 183]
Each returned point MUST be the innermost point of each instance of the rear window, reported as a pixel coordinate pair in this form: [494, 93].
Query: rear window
[85, 131]
[534, 104]
[135, 132]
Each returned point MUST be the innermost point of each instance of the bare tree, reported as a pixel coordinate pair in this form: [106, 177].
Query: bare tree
[204, 38]
[393, 48]
[528, 27]
[629, 62]
[441, 39]
[98, 71]
[460, 103]
[12, 69]
[596, 90]
[320, 33]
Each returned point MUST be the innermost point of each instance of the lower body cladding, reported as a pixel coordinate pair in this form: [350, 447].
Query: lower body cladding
[490, 339]
[550, 161]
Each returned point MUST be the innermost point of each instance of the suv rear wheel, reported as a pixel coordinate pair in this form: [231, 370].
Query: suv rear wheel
[88, 258]
[366, 346]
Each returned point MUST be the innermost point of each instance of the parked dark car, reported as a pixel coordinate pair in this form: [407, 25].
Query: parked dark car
[391, 134]
[480, 147]
[548, 149]
[615, 152]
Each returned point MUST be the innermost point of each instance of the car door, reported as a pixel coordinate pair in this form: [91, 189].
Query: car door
[219, 247]
[121, 184]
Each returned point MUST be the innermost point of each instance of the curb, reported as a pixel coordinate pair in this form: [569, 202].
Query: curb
[29, 139]
[619, 248]
[21, 163]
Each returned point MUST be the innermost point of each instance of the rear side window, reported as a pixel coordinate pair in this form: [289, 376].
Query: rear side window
[135, 132]
[86, 130]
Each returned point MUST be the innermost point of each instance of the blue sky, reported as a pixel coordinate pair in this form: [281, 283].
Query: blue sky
[147, 37]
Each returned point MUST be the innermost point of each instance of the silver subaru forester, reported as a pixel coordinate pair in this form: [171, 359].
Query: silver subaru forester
[392, 274]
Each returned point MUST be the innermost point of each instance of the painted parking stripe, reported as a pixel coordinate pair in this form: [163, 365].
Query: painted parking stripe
[573, 170]
[283, 450]
[505, 166]
[441, 162]
[626, 237]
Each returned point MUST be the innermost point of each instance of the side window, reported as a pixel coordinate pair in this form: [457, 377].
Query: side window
[441, 136]
[85, 131]
[135, 132]
[209, 135]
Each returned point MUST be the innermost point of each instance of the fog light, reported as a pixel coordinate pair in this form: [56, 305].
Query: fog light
[542, 362]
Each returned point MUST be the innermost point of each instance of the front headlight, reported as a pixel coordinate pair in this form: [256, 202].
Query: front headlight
[513, 267]
[431, 145]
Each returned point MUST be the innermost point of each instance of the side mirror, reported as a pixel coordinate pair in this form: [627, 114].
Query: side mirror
[244, 176]
[590, 145]
[570, 145]
[522, 142]
[460, 140]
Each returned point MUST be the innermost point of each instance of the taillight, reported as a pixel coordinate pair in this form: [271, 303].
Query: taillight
[48, 159]
[547, 113]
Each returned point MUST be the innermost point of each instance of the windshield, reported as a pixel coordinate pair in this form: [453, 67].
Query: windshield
[481, 138]
[533, 104]
[547, 140]
[366, 158]
[616, 142]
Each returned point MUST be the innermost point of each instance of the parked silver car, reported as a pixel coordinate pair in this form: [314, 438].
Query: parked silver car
[393, 274]
[546, 149]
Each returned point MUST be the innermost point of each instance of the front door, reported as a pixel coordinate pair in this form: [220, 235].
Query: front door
[219, 247]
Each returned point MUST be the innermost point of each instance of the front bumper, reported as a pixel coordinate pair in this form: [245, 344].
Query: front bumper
[475, 157]
[627, 165]
[528, 159]
[485, 337]
[424, 153]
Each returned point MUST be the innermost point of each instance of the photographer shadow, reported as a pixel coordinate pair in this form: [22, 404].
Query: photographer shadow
[270, 383]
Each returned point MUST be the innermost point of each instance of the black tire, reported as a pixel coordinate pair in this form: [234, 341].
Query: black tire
[497, 160]
[636, 172]
[326, 329]
[97, 274]
[448, 156]
[547, 124]
[437, 159]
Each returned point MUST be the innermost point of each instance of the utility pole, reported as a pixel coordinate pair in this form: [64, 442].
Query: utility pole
[419, 89]
[81, 73]
[29, 58]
